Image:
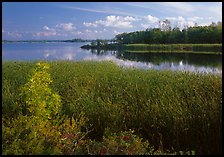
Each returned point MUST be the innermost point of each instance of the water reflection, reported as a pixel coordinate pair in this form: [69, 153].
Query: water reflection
[174, 66]
[205, 63]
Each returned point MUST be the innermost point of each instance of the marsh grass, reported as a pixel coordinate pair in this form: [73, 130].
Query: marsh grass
[173, 110]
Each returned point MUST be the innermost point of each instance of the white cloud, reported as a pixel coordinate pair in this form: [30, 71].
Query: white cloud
[179, 18]
[182, 22]
[88, 31]
[145, 26]
[66, 26]
[113, 21]
[89, 24]
[190, 23]
[151, 19]
[77, 33]
[14, 34]
[116, 32]
[61, 29]
[130, 18]
[46, 28]
[46, 34]
[195, 18]
[205, 24]
[179, 21]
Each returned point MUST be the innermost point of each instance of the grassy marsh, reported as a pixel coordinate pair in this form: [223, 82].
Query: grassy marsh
[172, 110]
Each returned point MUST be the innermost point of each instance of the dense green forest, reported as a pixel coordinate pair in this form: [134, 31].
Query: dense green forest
[211, 34]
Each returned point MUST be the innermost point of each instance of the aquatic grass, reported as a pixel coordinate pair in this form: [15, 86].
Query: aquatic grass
[173, 110]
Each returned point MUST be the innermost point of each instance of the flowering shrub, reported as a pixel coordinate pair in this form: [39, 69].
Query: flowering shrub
[39, 128]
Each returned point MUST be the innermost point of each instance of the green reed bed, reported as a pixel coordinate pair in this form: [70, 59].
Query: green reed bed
[213, 48]
[172, 110]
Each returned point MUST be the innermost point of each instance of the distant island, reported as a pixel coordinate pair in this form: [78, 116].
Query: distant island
[31, 41]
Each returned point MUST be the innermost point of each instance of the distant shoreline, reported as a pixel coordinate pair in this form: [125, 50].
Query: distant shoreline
[146, 48]
[44, 41]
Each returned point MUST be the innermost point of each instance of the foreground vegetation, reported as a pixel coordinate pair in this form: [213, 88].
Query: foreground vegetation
[99, 108]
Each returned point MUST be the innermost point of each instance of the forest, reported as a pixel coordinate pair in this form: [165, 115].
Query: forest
[211, 34]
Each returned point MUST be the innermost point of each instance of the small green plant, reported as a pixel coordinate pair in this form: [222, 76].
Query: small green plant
[33, 130]
[40, 100]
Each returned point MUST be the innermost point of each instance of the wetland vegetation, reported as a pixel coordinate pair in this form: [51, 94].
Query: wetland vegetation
[106, 109]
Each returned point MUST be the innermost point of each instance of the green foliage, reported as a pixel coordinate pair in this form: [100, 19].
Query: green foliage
[39, 99]
[189, 48]
[195, 35]
[71, 139]
[172, 110]
[14, 75]
[121, 143]
[32, 130]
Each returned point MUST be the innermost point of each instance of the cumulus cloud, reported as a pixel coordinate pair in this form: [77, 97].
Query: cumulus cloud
[181, 22]
[89, 24]
[145, 26]
[179, 18]
[116, 32]
[113, 21]
[66, 26]
[151, 19]
[46, 34]
[46, 28]
[61, 29]
[88, 31]
[77, 33]
[14, 34]
[195, 18]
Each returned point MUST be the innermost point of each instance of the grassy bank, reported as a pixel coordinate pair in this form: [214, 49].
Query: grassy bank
[195, 48]
[172, 110]
[165, 51]
[174, 48]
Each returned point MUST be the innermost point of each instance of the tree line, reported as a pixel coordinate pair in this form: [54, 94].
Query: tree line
[211, 34]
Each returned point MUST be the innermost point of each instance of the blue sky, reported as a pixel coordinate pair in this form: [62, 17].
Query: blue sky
[99, 20]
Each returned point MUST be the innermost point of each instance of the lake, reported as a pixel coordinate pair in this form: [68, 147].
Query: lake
[205, 63]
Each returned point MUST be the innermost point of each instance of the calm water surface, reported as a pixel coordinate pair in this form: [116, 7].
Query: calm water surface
[205, 63]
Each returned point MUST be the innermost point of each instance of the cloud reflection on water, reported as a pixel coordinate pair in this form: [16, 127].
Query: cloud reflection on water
[73, 52]
[162, 66]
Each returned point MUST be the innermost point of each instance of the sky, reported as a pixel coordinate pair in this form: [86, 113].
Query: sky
[99, 20]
